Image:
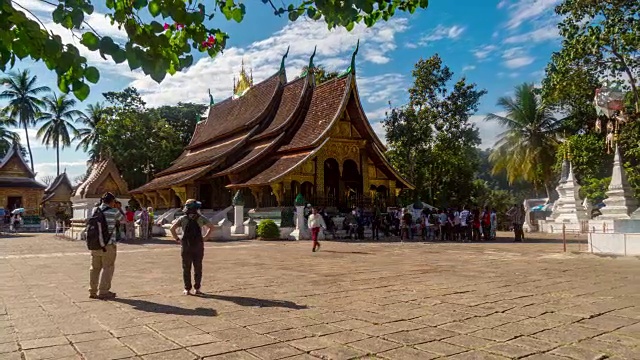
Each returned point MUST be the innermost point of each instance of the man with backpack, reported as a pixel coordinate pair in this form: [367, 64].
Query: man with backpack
[192, 243]
[101, 240]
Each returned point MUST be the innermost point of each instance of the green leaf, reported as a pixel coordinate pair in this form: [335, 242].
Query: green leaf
[63, 84]
[92, 75]
[58, 14]
[311, 12]
[91, 41]
[156, 27]
[350, 26]
[81, 90]
[154, 8]
[119, 56]
[293, 16]
[237, 15]
[139, 4]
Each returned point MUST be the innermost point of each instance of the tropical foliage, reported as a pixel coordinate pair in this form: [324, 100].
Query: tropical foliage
[320, 73]
[526, 149]
[57, 128]
[156, 48]
[23, 95]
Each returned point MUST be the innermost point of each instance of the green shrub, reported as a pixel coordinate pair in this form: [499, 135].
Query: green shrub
[267, 229]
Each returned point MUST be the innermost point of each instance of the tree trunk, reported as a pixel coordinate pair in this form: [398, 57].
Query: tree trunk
[632, 80]
[26, 134]
[57, 159]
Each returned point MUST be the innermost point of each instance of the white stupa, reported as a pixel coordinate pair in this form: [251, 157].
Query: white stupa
[568, 210]
[620, 202]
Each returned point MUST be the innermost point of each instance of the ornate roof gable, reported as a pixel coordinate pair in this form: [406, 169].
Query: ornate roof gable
[104, 177]
[13, 165]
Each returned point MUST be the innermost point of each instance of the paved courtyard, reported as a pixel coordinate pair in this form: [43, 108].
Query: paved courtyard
[275, 300]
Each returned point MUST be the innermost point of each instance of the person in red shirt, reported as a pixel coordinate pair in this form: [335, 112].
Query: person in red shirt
[130, 224]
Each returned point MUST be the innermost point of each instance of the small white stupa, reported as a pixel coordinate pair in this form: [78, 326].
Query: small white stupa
[568, 209]
[620, 202]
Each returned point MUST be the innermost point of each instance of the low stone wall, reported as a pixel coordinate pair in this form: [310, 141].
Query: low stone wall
[615, 243]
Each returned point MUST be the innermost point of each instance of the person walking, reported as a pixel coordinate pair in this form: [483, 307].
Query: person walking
[486, 224]
[494, 223]
[516, 213]
[465, 225]
[192, 242]
[315, 223]
[130, 224]
[144, 224]
[103, 261]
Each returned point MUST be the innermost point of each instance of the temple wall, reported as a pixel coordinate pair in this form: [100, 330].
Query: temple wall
[31, 198]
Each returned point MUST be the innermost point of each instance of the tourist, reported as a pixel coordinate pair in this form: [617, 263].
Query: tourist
[456, 224]
[476, 224]
[494, 223]
[144, 224]
[192, 242]
[465, 225]
[119, 228]
[516, 213]
[315, 223]
[442, 222]
[486, 223]
[130, 224]
[151, 220]
[405, 230]
[103, 261]
[376, 222]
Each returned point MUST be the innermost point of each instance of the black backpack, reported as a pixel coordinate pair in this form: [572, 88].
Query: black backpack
[192, 233]
[96, 224]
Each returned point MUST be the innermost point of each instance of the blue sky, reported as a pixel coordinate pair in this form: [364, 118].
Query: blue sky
[496, 44]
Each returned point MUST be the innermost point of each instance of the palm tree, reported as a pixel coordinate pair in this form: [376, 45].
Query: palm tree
[58, 117]
[7, 137]
[24, 102]
[88, 136]
[526, 150]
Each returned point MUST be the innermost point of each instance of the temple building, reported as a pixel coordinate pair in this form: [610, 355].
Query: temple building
[56, 202]
[18, 186]
[103, 177]
[277, 138]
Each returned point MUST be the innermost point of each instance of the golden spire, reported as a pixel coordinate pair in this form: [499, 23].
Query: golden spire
[244, 81]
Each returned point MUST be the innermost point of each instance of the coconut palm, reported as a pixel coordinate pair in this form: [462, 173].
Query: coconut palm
[526, 150]
[7, 137]
[58, 117]
[23, 101]
[88, 136]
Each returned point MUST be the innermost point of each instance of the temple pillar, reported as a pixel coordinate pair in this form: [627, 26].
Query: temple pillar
[320, 176]
[165, 197]
[181, 193]
[364, 171]
[257, 195]
[301, 232]
[277, 192]
[238, 214]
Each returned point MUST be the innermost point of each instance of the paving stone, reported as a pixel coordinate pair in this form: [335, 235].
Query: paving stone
[617, 339]
[121, 352]
[568, 333]
[533, 343]
[493, 334]
[337, 352]
[274, 351]
[351, 324]
[460, 327]
[169, 325]
[129, 331]
[51, 352]
[476, 355]
[237, 355]
[377, 330]
[322, 329]
[189, 336]
[147, 343]
[215, 325]
[407, 353]
[312, 343]
[12, 356]
[510, 351]
[374, 345]
[609, 348]
[578, 353]
[291, 334]
[43, 342]
[98, 345]
[213, 349]
[607, 322]
[470, 342]
[545, 357]
[8, 347]
[251, 341]
[441, 348]
[270, 327]
[558, 318]
[404, 325]
[180, 354]
[345, 337]
[631, 330]
[95, 335]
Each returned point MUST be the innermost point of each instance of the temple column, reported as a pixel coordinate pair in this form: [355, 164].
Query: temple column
[165, 197]
[238, 214]
[320, 176]
[257, 195]
[276, 188]
[181, 193]
[364, 171]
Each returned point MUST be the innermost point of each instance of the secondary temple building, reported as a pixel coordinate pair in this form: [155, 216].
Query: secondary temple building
[18, 186]
[277, 138]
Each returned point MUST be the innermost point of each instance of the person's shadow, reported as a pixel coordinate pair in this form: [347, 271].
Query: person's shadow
[148, 306]
[248, 301]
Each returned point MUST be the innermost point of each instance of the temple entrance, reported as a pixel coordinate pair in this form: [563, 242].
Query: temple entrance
[14, 202]
[306, 189]
[331, 181]
[205, 195]
[176, 201]
[352, 177]
[295, 190]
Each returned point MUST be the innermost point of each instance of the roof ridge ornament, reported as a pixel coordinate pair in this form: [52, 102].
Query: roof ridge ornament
[352, 68]
[211, 102]
[311, 65]
[284, 57]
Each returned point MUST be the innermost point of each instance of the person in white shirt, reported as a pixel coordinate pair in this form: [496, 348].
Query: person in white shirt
[465, 226]
[315, 222]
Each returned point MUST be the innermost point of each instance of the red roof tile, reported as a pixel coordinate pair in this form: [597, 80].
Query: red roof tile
[292, 97]
[256, 153]
[232, 114]
[171, 179]
[280, 167]
[325, 106]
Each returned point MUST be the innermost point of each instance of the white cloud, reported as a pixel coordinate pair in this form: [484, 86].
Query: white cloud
[377, 114]
[526, 10]
[502, 4]
[442, 32]
[34, 142]
[516, 58]
[489, 130]
[468, 68]
[378, 128]
[73, 169]
[546, 33]
[334, 48]
[386, 87]
[484, 51]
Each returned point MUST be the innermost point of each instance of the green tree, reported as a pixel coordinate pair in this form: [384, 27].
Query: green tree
[600, 37]
[58, 118]
[152, 46]
[182, 118]
[7, 137]
[320, 73]
[24, 104]
[88, 135]
[432, 140]
[526, 150]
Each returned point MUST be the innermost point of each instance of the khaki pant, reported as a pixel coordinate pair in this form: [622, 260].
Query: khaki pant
[102, 262]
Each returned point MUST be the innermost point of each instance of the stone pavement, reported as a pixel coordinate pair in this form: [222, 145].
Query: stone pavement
[275, 300]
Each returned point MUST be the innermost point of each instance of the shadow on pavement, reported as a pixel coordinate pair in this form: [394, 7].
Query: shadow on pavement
[247, 301]
[345, 252]
[148, 306]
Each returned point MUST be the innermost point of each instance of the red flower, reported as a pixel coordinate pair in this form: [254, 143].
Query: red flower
[179, 26]
[211, 39]
[166, 26]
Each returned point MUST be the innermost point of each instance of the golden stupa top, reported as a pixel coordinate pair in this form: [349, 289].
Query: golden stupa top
[244, 81]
